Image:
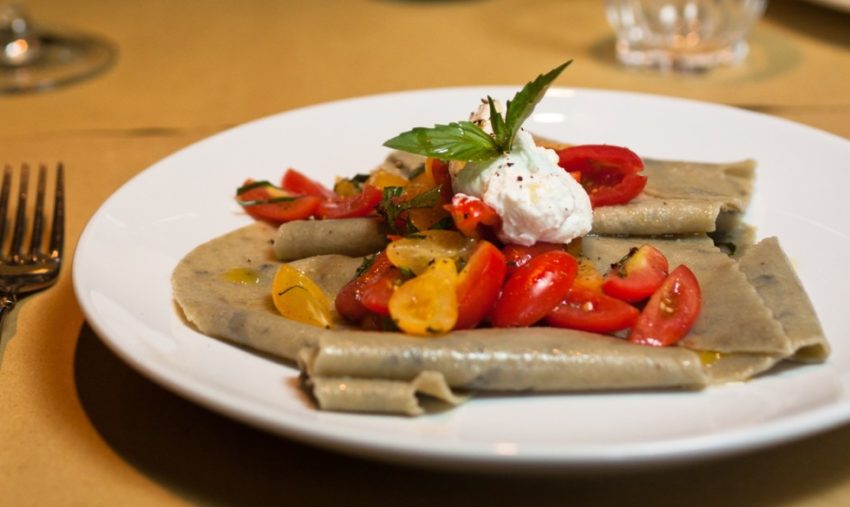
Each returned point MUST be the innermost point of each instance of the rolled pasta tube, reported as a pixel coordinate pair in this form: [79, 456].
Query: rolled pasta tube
[353, 237]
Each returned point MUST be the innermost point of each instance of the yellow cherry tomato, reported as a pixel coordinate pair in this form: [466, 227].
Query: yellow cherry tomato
[417, 251]
[587, 276]
[297, 297]
[382, 178]
[427, 305]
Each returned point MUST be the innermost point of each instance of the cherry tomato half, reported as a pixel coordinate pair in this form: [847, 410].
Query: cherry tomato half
[636, 276]
[359, 205]
[670, 312]
[588, 310]
[517, 256]
[609, 174]
[469, 213]
[264, 201]
[349, 300]
[479, 283]
[426, 305]
[534, 290]
[298, 183]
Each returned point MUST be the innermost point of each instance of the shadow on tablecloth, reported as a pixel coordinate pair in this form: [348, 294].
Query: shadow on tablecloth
[209, 459]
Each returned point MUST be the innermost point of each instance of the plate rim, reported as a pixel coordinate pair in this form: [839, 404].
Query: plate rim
[830, 416]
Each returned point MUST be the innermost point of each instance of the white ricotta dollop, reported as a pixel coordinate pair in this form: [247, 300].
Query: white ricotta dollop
[536, 199]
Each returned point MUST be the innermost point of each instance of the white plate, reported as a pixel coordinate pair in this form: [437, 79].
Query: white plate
[127, 252]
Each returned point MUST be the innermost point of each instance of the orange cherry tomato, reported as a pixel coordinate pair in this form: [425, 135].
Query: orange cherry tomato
[479, 283]
[670, 312]
[592, 311]
[609, 174]
[534, 290]
[637, 275]
[264, 201]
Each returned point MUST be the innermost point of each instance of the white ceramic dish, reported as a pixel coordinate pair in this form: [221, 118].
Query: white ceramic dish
[126, 254]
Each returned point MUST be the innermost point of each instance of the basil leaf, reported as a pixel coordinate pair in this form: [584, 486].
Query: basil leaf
[253, 185]
[521, 106]
[497, 122]
[462, 140]
[270, 200]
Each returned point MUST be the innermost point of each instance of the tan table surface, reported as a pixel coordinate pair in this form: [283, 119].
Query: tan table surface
[80, 427]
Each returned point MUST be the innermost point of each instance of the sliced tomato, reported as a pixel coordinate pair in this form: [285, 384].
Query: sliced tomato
[375, 295]
[609, 174]
[517, 256]
[592, 311]
[588, 276]
[534, 290]
[470, 213]
[359, 205]
[298, 183]
[264, 201]
[349, 300]
[670, 312]
[479, 283]
[427, 304]
[636, 276]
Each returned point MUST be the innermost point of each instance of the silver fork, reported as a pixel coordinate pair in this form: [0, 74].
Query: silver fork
[27, 271]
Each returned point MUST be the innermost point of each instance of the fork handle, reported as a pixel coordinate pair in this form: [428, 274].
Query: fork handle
[7, 302]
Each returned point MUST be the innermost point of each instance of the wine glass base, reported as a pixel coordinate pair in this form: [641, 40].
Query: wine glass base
[684, 61]
[63, 59]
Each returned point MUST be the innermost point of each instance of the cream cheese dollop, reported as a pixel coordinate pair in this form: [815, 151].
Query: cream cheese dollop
[536, 199]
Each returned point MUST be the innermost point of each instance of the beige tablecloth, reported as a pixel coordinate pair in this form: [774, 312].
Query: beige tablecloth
[80, 427]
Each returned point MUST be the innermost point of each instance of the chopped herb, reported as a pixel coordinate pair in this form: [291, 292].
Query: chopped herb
[443, 223]
[271, 200]
[365, 265]
[253, 185]
[393, 210]
[407, 273]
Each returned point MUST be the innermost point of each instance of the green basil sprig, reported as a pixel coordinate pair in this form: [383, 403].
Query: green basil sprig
[464, 140]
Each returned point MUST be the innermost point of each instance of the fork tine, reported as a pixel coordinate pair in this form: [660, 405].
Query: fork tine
[38, 213]
[4, 201]
[57, 229]
[21, 212]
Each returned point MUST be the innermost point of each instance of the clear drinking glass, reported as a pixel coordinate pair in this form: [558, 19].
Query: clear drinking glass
[691, 35]
[32, 59]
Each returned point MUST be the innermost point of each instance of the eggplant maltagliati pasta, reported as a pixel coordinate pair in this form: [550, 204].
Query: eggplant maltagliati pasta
[478, 258]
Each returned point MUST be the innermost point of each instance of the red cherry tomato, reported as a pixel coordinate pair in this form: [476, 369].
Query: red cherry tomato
[517, 256]
[348, 303]
[469, 213]
[273, 204]
[637, 275]
[670, 312]
[479, 283]
[534, 289]
[609, 174]
[592, 311]
[359, 205]
[350, 300]
[375, 295]
[298, 183]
